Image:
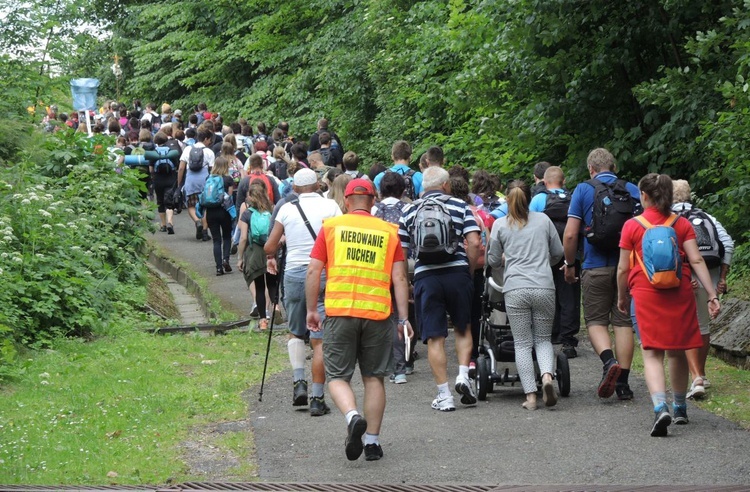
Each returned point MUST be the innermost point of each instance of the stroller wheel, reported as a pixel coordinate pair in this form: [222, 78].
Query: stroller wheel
[562, 374]
[483, 376]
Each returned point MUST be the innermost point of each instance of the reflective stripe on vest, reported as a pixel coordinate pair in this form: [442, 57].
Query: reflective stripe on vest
[360, 258]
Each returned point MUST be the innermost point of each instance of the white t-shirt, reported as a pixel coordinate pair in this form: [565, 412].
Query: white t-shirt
[299, 241]
[208, 155]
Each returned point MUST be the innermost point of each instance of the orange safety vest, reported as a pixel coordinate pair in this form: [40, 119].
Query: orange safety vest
[360, 250]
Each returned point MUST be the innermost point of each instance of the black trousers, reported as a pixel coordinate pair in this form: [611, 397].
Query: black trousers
[567, 307]
[220, 225]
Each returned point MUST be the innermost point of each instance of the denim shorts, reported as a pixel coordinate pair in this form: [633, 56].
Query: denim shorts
[295, 305]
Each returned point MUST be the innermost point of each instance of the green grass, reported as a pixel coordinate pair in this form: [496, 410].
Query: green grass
[124, 405]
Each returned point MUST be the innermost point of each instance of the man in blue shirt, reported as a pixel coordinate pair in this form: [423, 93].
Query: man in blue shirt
[401, 155]
[599, 280]
[567, 322]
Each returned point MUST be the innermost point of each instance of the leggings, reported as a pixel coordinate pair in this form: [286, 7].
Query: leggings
[531, 313]
[260, 282]
[220, 224]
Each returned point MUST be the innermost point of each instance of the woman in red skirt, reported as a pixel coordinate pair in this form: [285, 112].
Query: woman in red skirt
[667, 318]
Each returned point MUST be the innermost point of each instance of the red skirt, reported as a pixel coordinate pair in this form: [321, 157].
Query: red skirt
[667, 318]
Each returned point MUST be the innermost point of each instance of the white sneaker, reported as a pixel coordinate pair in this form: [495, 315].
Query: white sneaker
[697, 389]
[466, 390]
[706, 383]
[444, 404]
[398, 378]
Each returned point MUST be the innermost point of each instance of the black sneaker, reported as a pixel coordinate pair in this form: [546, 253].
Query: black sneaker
[163, 229]
[569, 351]
[227, 268]
[354, 432]
[680, 414]
[373, 452]
[318, 406]
[623, 391]
[198, 230]
[662, 419]
[300, 393]
[170, 229]
[206, 237]
[219, 272]
[609, 379]
[254, 312]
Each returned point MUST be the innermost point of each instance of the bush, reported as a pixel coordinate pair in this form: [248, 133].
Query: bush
[71, 238]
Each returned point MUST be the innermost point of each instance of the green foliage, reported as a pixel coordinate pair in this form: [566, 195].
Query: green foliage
[71, 237]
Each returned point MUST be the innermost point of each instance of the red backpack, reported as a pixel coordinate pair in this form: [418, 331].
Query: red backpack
[261, 176]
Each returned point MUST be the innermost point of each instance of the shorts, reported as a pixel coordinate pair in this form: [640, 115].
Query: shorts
[295, 304]
[599, 289]
[192, 200]
[348, 341]
[704, 318]
[440, 293]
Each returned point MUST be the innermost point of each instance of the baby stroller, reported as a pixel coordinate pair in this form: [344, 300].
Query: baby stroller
[496, 344]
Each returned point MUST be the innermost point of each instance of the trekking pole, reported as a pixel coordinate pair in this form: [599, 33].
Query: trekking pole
[280, 260]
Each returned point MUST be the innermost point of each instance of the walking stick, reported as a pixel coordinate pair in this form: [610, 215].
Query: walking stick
[280, 261]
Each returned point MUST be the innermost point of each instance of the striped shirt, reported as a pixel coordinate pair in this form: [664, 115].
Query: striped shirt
[463, 223]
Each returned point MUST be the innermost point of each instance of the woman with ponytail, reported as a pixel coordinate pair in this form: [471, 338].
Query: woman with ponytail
[667, 318]
[527, 245]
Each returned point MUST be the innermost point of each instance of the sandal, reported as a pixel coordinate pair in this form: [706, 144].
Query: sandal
[262, 324]
[528, 405]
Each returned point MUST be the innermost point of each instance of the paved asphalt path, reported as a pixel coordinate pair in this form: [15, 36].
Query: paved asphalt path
[583, 440]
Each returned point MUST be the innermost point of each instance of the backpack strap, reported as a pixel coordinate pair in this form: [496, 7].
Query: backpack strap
[304, 218]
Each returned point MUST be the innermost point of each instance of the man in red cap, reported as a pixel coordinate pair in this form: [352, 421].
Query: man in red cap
[363, 259]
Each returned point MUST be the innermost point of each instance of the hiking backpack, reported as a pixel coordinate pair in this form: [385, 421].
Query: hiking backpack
[260, 224]
[409, 191]
[325, 154]
[261, 176]
[213, 192]
[163, 164]
[557, 210]
[195, 159]
[661, 261]
[435, 238]
[390, 213]
[706, 235]
[613, 206]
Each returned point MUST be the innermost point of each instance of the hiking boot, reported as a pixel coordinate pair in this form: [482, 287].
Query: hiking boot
[227, 267]
[219, 272]
[373, 452]
[569, 351]
[444, 404]
[680, 414]
[697, 389]
[354, 432]
[623, 391]
[163, 229]
[318, 406]
[662, 419]
[300, 393]
[170, 229]
[466, 390]
[198, 230]
[609, 379]
[397, 378]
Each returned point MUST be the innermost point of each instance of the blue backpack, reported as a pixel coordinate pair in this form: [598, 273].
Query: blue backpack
[260, 225]
[163, 164]
[213, 192]
[661, 260]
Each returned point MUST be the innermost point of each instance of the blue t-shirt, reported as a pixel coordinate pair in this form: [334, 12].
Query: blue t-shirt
[402, 169]
[581, 207]
[539, 201]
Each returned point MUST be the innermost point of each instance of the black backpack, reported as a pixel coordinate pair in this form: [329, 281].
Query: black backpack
[409, 191]
[325, 154]
[390, 213]
[195, 159]
[706, 235]
[279, 169]
[613, 206]
[557, 209]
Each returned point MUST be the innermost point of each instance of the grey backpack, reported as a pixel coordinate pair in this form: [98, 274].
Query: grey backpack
[435, 238]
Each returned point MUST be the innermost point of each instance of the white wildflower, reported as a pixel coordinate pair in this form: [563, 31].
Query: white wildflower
[46, 226]
[25, 201]
[44, 213]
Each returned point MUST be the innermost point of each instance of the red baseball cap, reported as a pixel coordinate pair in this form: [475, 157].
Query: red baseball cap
[359, 186]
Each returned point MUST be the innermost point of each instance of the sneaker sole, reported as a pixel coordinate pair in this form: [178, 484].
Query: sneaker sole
[353, 444]
[680, 421]
[466, 397]
[446, 409]
[625, 397]
[607, 386]
[300, 401]
[697, 394]
[660, 426]
[319, 412]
